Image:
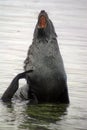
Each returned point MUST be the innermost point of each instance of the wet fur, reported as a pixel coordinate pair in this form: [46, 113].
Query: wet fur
[47, 82]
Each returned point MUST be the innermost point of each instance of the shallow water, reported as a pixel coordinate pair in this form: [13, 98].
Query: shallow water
[17, 23]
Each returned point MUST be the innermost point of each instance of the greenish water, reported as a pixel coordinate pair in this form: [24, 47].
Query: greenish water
[20, 115]
[17, 23]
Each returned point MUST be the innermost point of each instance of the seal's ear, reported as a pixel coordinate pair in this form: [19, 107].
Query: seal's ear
[8, 94]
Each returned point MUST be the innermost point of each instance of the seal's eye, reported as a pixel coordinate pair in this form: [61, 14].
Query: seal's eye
[42, 22]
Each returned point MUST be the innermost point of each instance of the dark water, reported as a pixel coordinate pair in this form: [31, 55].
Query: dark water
[17, 23]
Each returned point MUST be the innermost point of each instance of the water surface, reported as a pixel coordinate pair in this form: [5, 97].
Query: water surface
[17, 23]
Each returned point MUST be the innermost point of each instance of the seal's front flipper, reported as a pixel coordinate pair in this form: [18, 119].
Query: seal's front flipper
[9, 93]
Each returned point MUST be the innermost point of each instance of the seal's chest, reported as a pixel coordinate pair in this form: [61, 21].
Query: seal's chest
[44, 53]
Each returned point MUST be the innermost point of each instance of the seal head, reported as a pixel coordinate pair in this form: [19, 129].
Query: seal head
[44, 27]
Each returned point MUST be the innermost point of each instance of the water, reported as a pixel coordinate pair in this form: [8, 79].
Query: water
[17, 23]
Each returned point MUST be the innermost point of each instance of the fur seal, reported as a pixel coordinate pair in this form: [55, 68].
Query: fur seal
[44, 68]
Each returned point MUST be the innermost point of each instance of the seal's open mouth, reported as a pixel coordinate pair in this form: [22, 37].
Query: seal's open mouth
[42, 22]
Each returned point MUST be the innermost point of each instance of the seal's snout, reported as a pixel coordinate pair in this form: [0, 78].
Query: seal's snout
[42, 20]
[42, 11]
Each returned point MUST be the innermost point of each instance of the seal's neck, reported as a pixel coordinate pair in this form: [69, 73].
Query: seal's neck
[44, 34]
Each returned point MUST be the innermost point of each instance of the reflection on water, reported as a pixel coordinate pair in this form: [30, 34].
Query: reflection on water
[34, 117]
[17, 23]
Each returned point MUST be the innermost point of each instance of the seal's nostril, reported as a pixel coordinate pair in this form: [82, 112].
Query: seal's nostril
[42, 11]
